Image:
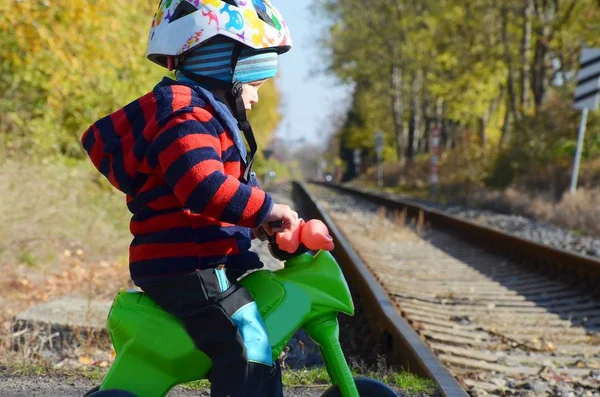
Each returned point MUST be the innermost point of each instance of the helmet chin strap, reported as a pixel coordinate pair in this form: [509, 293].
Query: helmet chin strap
[236, 103]
[233, 99]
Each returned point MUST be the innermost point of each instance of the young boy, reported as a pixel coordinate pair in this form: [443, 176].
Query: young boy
[178, 155]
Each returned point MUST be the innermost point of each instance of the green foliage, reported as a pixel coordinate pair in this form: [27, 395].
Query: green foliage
[546, 140]
[28, 258]
[282, 171]
[440, 38]
[413, 384]
[305, 376]
[368, 114]
[490, 65]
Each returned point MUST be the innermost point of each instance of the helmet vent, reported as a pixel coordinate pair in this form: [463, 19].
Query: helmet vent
[261, 10]
[184, 8]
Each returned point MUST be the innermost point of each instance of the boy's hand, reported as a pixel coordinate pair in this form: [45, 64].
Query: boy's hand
[259, 234]
[283, 213]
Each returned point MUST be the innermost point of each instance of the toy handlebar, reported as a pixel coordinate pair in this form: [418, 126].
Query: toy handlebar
[311, 235]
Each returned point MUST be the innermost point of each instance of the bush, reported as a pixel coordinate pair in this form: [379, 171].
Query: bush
[540, 153]
[66, 64]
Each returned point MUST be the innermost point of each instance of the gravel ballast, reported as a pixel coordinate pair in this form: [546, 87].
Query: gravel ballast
[541, 232]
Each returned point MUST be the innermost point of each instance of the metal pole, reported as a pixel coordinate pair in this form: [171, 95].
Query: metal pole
[357, 162]
[379, 171]
[379, 150]
[435, 153]
[435, 149]
[582, 124]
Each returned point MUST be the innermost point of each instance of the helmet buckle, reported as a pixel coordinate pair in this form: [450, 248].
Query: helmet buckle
[237, 89]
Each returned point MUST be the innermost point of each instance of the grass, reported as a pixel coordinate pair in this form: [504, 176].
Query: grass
[28, 258]
[59, 208]
[413, 384]
[64, 230]
[403, 190]
[36, 368]
[405, 381]
[467, 178]
[577, 212]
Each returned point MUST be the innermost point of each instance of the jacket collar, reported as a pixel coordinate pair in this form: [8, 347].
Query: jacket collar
[222, 112]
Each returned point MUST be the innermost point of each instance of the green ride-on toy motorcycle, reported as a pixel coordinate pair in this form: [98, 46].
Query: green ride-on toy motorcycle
[154, 352]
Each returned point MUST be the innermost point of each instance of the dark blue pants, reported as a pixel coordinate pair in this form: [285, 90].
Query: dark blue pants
[205, 302]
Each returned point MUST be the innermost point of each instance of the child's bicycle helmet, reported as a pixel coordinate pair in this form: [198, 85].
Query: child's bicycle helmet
[179, 26]
[182, 25]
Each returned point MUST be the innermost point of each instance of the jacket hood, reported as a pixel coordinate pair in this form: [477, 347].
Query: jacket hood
[117, 144]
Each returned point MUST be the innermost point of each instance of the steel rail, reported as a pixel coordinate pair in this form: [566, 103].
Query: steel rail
[585, 267]
[407, 347]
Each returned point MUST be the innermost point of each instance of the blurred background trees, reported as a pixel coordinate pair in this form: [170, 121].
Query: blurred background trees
[66, 64]
[497, 75]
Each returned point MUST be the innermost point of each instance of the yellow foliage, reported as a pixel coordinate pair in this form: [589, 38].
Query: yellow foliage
[265, 116]
[67, 63]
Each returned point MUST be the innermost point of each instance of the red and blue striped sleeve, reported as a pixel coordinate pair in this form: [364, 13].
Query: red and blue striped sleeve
[187, 152]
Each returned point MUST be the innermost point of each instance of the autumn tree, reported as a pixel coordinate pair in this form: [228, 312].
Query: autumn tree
[479, 68]
[65, 64]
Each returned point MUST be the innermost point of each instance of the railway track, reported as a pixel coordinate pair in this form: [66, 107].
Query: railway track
[504, 316]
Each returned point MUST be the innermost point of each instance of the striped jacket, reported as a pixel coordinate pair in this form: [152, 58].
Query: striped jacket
[178, 156]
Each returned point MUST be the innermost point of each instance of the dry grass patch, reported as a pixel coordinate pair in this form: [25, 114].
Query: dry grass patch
[579, 211]
[64, 230]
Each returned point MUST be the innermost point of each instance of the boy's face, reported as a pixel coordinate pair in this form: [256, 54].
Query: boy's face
[250, 93]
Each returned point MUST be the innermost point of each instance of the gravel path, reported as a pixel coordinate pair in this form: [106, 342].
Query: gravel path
[541, 232]
[67, 387]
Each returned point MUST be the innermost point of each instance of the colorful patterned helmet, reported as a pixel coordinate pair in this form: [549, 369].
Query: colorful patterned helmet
[181, 25]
